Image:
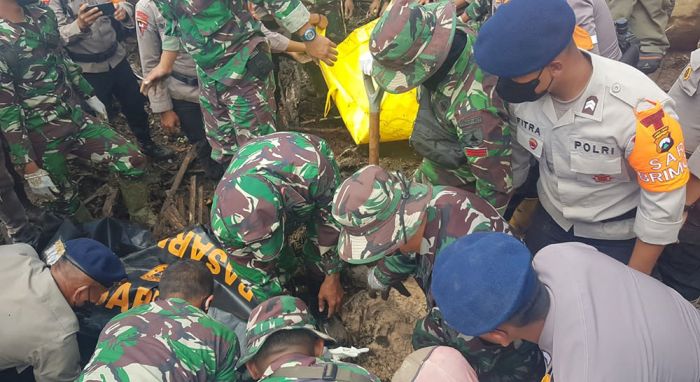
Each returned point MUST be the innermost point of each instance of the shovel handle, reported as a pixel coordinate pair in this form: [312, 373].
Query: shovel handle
[374, 95]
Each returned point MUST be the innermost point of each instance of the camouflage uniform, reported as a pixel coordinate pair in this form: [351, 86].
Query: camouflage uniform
[290, 313]
[274, 185]
[167, 340]
[368, 206]
[463, 102]
[40, 113]
[233, 64]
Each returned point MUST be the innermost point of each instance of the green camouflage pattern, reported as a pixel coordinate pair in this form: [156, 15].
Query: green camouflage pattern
[452, 213]
[519, 361]
[301, 360]
[408, 43]
[41, 116]
[222, 35]
[234, 114]
[368, 206]
[273, 185]
[271, 316]
[466, 101]
[168, 340]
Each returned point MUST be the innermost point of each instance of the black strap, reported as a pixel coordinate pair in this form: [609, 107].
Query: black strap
[189, 80]
[330, 372]
[95, 57]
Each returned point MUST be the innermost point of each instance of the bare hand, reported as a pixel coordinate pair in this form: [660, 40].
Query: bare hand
[348, 8]
[331, 294]
[374, 8]
[87, 16]
[158, 73]
[170, 122]
[323, 49]
[120, 14]
[318, 20]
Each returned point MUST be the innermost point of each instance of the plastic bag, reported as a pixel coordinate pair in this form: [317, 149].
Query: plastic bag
[347, 89]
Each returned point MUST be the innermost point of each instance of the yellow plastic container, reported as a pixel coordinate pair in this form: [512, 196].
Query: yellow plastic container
[347, 89]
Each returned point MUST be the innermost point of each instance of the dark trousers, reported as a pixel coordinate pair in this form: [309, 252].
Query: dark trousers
[192, 125]
[121, 83]
[545, 231]
[679, 264]
[191, 120]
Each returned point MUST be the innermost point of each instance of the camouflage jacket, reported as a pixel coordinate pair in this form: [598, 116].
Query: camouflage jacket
[452, 213]
[38, 82]
[466, 101]
[222, 35]
[168, 340]
[293, 360]
[304, 171]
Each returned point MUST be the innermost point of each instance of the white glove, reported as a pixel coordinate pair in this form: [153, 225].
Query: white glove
[373, 282]
[366, 61]
[41, 184]
[98, 107]
[341, 353]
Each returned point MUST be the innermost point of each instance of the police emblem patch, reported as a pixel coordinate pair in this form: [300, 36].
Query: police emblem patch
[590, 105]
[687, 72]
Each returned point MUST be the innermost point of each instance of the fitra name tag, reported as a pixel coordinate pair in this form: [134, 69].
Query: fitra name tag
[529, 136]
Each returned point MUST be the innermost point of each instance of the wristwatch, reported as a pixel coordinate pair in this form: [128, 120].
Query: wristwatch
[309, 34]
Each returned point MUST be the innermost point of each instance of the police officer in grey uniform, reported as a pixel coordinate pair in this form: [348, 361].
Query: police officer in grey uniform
[175, 100]
[595, 318]
[595, 18]
[605, 179]
[679, 265]
[91, 40]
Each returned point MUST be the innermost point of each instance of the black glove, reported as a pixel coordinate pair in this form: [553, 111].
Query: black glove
[385, 292]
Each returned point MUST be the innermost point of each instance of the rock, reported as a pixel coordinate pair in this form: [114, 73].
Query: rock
[684, 27]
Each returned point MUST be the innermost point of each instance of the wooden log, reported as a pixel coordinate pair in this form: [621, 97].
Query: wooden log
[104, 189]
[200, 205]
[108, 207]
[170, 194]
[192, 206]
[174, 218]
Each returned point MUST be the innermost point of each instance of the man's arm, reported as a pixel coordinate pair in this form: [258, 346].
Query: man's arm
[75, 76]
[586, 21]
[293, 16]
[692, 193]
[12, 120]
[395, 268]
[57, 361]
[150, 50]
[73, 28]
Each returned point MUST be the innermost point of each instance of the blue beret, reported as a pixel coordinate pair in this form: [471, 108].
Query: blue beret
[96, 261]
[523, 36]
[481, 280]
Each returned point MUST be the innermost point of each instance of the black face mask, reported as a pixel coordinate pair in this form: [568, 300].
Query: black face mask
[514, 92]
[458, 43]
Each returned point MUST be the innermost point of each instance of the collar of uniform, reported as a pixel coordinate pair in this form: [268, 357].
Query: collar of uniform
[589, 105]
[289, 360]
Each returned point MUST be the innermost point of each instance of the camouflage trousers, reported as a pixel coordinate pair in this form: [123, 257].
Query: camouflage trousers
[517, 362]
[94, 141]
[235, 114]
[274, 278]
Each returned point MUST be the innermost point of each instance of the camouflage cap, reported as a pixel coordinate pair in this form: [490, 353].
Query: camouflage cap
[410, 43]
[246, 217]
[276, 314]
[377, 211]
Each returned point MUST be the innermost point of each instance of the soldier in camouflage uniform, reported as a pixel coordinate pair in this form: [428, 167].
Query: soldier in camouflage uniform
[429, 45]
[42, 119]
[283, 344]
[171, 339]
[233, 63]
[274, 185]
[404, 225]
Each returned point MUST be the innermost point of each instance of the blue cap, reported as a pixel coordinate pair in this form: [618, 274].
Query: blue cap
[523, 36]
[96, 261]
[481, 280]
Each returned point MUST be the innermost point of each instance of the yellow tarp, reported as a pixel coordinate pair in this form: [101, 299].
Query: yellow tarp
[346, 88]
